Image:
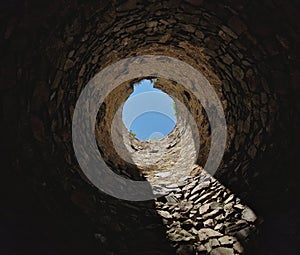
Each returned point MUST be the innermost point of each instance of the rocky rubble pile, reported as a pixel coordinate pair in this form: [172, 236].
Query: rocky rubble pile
[200, 215]
[203, 217]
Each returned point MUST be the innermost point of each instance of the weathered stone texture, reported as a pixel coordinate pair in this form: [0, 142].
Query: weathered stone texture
[247, 50]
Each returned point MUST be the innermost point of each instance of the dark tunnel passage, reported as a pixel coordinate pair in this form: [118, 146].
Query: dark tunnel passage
[247, 51]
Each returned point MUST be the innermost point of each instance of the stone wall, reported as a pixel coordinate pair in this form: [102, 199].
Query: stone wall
[247, 50]
[238, 83]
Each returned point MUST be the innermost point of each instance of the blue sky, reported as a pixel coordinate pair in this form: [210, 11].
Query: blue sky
[149, 112]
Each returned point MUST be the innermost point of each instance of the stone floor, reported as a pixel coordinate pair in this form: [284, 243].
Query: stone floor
[203, 217]
[200, 215]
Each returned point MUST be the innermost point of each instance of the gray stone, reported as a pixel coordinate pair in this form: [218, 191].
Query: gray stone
[211, 214]
[190, 186]
[239, 207]
[214, 243]
[215, 205]
[222, 251]
[185, 206]
[219, 227]
[220, 217]
[201, 248]
[208, 246]
[181, 235]
[229, 199]
[248, 215]
[238, 247]
[206, 233]
[228, 208]
[204, 209]
[165, 214]
[204, 197]
[200, 186]
[208, 223]
[225, 240]
[232, 228]
[163, 174]
[171, 199]
[187, 222]
[193, 197]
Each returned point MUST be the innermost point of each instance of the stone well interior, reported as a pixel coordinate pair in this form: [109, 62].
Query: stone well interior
[249, 54]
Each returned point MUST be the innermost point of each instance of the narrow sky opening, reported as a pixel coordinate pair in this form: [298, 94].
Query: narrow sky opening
[149, 113]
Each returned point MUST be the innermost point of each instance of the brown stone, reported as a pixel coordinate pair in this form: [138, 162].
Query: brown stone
[69, 64]
[237, 72]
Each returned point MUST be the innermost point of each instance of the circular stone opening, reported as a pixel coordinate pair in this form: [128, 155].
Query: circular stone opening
[149, 114]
